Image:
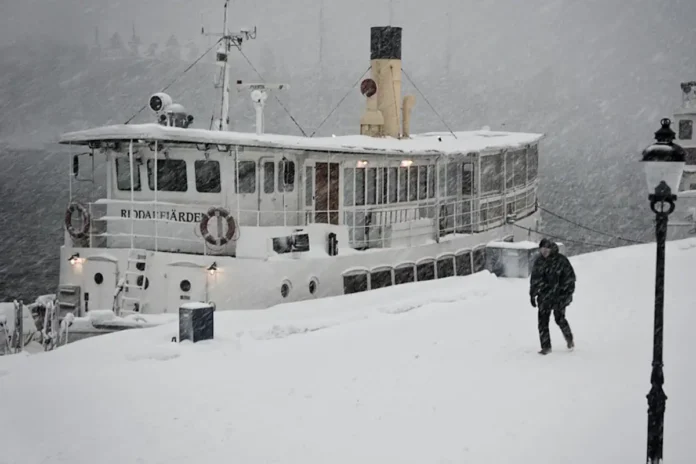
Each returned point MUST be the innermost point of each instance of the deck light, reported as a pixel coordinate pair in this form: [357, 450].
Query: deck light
[212, 268]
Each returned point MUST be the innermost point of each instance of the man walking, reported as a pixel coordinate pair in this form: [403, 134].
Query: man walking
[551, 288]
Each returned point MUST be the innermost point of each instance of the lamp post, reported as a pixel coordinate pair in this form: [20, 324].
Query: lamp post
[664, 166]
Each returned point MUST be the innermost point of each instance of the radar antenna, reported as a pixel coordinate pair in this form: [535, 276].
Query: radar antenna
[228, 40]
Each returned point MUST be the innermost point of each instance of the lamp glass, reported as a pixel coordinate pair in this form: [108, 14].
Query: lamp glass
[669, 171]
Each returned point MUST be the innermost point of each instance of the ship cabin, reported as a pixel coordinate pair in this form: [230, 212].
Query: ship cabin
[183, 190]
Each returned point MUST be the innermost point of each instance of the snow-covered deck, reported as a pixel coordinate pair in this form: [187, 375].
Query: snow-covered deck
[436, 143]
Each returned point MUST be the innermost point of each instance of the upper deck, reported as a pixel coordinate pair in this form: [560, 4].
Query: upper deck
[432, 143]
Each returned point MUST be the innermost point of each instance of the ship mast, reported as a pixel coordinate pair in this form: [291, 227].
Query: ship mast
[228, 40]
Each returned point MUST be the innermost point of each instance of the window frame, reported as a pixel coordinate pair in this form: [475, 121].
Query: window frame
[216, 163]
[164, 162]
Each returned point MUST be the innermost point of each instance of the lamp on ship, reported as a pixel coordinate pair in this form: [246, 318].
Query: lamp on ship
[74, 259]
[212, 268]
[664, 165]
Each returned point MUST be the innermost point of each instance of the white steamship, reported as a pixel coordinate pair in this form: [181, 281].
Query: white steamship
[251, 220]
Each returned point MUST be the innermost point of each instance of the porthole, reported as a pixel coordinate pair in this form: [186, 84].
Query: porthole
[313, 285]
[139, 281]
[98, 278]
[285, 288]
[185, 285]
[140, 266]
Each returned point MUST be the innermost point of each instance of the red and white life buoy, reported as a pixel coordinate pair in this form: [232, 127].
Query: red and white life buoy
[231, 226]
[82, 231]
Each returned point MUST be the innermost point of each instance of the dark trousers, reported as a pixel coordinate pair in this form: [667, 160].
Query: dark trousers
[545, 310]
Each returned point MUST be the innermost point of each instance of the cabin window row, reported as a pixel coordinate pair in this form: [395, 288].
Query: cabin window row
[520, 168]
[378, 186]
[385, 185]
[459, 264]
[172, 176]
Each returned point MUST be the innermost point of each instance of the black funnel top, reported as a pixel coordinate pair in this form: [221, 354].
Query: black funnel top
[385, 43]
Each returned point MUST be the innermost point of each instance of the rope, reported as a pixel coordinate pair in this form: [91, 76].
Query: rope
[176, 79]
[428, 102]
[340, 101]
[274, 95]
[589, 228]
[601, 245]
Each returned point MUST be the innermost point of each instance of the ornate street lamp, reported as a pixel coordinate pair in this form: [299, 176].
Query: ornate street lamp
[664, 165]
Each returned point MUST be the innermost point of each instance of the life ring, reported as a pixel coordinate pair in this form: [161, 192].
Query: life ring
[84, 230]
[231, 226]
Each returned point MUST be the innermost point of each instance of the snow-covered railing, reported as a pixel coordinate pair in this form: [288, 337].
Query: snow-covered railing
[172, 228]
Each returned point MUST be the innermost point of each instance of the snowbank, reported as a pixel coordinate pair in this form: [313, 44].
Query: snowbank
[437, 372]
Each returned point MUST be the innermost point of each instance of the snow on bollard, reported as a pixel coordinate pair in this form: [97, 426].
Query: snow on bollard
[196, 321]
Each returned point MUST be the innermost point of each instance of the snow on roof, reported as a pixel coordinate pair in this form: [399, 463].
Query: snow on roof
[428, 143]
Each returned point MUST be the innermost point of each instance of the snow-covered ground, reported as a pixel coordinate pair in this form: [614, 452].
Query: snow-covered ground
[437, 372]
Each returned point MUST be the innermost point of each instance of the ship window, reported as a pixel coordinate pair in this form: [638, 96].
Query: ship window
[509, 170]
[532, 163]
[431, 181]
[422, 182]
[467, 179]
[371, 186]
[354, 282]
[246, 177]
[463, 263]
[380, 278]
[348, 186]
[413, 183]
[492, 173]
[393, 184]
[382, 176]
[404, 274]
[171, 175]
[123, 180]
[207, 176]
[686, 128]
[479, 259]
[309, 185]
[403, 184]
[445, 267]
[451, 179]
[521, 168]
[286, 176]
[359, 186]
[268, 177]
[425, 270]
[442, 179]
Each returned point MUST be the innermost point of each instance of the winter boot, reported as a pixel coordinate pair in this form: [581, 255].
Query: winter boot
[571, 344]
[545, 351]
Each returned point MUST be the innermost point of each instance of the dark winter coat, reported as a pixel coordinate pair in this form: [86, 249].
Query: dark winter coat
[553, 279]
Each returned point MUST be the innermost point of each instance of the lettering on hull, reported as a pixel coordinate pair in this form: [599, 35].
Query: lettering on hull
[172, 215]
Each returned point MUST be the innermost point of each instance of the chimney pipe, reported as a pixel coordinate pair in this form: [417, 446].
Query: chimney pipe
[409, 102]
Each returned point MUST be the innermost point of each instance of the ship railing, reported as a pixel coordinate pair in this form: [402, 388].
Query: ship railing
[373, 228]
[369, 226]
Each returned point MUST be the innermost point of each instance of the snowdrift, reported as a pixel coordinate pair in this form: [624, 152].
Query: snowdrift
[436, 372]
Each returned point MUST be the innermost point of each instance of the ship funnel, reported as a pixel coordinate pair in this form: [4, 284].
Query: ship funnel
[382, 116]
